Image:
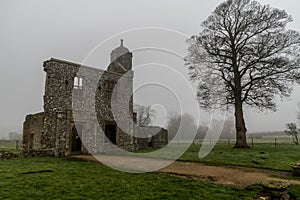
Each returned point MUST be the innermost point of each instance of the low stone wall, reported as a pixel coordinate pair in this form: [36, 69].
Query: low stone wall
[4, 155]
[37, 153]
[159, 140]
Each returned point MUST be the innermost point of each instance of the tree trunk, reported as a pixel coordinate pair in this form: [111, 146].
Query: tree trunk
[240, 126]
[296, 140]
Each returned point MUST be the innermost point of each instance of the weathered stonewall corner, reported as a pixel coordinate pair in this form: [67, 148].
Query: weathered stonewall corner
[70, 85]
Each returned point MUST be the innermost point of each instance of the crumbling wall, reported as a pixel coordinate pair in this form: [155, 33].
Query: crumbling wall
[158, 140]
[33, 129]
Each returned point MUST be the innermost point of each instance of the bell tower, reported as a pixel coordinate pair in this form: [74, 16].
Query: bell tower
[120, 59]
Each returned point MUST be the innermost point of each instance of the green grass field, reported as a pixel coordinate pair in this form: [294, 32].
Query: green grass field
[260, 156]
[57, 178]
[10, 149]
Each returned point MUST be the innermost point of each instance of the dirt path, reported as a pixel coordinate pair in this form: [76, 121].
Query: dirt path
[225, 175]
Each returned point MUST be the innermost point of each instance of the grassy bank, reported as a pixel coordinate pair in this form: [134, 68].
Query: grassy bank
[54, 178]
[260, 156]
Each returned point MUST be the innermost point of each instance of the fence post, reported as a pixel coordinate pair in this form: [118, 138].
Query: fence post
[17, 144]
[252, 143]
[275, 142]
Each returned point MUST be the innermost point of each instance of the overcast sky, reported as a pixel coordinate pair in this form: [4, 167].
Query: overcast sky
[33, 31]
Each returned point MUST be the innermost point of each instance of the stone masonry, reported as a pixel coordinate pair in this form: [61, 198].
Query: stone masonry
[68, 124]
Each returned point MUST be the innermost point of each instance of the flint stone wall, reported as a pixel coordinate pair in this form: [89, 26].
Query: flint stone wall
[69, 107]
[158, 140]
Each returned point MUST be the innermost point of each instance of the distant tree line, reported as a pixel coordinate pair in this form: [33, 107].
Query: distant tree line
[188, 121]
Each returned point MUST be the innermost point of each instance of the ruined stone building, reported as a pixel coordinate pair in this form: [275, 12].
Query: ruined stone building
[70, 91]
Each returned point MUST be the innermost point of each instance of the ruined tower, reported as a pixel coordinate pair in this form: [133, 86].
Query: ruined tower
[72, 89]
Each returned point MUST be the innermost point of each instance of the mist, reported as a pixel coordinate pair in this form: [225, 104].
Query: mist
[34, 31]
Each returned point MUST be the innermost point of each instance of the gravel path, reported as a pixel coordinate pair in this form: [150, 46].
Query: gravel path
[225, 175]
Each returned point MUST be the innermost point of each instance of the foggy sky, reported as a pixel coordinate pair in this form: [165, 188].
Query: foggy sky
[33, 31]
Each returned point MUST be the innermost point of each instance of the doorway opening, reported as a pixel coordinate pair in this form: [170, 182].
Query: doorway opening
[110, 133]
[76, 139]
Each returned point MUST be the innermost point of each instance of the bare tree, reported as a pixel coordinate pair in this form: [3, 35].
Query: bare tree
[144, 114]
[293, 131]
[244, 56]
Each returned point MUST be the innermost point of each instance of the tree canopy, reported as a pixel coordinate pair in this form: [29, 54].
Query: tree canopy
[244, 40]
[244, 56]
